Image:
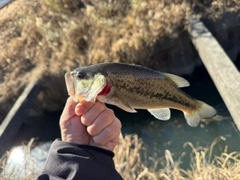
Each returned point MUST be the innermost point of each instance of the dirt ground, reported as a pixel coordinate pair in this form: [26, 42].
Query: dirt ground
[44, 39]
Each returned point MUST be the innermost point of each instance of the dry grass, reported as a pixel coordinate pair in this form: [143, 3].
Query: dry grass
[131, 163]
[204, 165]
[20, 165]
[44, 39]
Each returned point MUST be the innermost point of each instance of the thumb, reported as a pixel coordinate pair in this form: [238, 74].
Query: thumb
[68, 111]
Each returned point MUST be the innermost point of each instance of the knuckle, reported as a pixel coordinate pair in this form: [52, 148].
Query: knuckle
[119, 124]
[91, 131]
[100, 105]
[85, 121]
[98, 140]
[111, 112]
[85, 105]
[104, 137]
[108, 115]
[108, 132]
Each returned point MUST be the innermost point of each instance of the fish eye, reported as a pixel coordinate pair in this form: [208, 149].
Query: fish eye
[80, 75]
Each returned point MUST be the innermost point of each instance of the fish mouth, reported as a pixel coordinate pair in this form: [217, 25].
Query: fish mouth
[73, 73]
[69, 84]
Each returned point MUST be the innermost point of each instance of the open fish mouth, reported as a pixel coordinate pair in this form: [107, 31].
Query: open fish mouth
[69, 84]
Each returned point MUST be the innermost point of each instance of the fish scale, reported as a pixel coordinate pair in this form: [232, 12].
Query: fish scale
[150, 98]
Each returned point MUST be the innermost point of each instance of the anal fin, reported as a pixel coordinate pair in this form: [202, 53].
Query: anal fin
[161, 114]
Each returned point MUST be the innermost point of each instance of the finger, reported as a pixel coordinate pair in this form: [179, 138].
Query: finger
[83, 107]
[68, 111]
[112, 144]
[89, 117]
[101, 122]
[110, 132]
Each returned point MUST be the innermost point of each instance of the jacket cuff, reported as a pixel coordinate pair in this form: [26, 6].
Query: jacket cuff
[96, 154]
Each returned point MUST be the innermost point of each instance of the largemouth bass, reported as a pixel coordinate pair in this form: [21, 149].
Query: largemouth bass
[133, 87]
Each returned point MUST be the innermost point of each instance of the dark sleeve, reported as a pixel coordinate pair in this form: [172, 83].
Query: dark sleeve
[71, 161]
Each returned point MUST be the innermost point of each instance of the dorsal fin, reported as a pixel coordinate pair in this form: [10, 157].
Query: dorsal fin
[179, 81]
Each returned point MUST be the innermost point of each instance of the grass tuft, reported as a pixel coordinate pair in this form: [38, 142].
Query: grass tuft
[131, 163]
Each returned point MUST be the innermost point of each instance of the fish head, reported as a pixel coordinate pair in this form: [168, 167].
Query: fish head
[84, 85]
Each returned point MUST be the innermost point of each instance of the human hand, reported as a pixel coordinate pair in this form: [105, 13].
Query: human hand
[89, 124]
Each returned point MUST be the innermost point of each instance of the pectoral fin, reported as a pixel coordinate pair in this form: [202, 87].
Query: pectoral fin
[161, 114]
[125, 108]
[121, 103]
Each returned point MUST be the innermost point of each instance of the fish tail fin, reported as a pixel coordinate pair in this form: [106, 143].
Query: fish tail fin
[204, 111]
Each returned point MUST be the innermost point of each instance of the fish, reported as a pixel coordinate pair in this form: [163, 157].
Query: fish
[132, 87]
